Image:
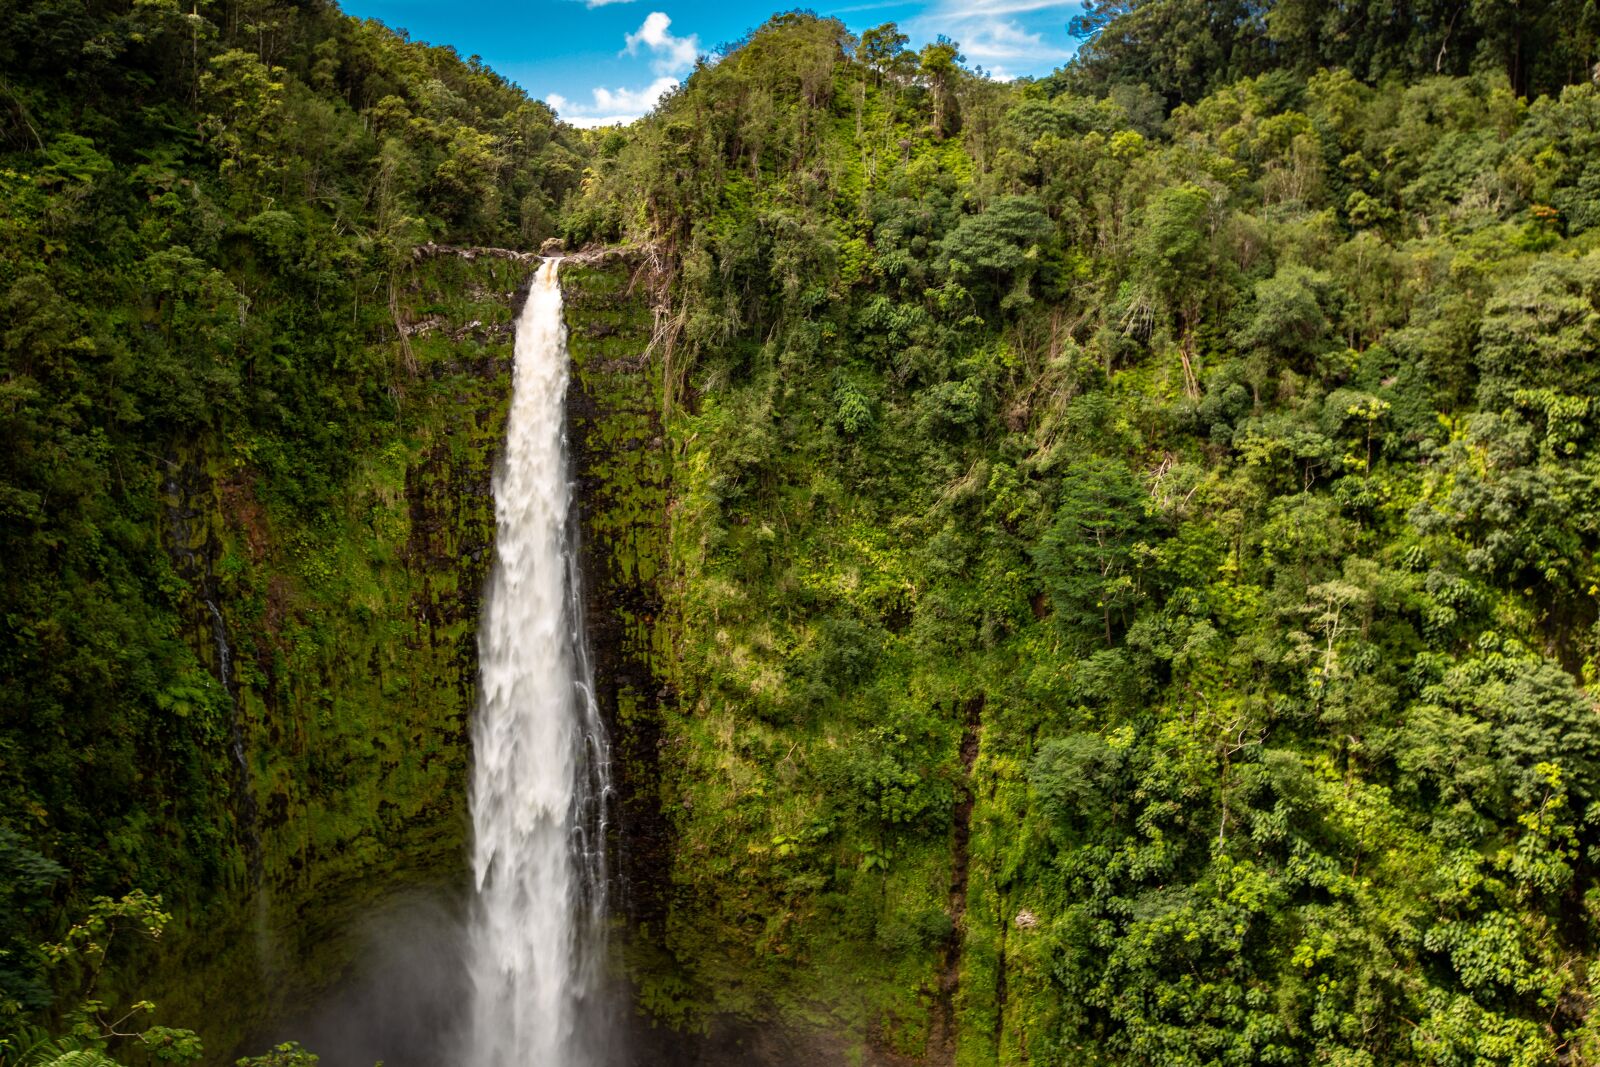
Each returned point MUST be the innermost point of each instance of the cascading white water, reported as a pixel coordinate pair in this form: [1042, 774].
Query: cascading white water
[541, 767]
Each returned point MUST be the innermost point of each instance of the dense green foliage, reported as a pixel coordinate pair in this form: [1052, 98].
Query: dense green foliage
[1128, 591]
[1135, 571]
[1186, 48]
[232, 491]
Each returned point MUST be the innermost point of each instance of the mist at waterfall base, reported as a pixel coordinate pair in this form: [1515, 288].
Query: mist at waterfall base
[405, 1001]
[513, 975]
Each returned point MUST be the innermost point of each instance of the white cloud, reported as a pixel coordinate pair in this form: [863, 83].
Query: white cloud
[856, 9]
[991, 40]
[673, 55]
[612, 106]
[670, 56]
[602, 3]
[993, 8]
[1002, 36]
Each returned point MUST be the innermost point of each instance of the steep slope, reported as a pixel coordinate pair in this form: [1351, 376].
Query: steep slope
[1098, 570]
[247, 443]
[1131, 574]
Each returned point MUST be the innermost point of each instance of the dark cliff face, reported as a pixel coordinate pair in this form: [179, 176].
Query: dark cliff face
[347, 644]
[621, 465]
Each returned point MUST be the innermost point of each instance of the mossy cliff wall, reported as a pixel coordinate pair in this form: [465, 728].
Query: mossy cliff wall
[699, 997]
[621, 463]
[351, 660]
[624, 456]
[348, 643]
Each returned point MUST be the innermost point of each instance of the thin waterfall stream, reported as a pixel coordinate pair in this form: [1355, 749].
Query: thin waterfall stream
[541, 762]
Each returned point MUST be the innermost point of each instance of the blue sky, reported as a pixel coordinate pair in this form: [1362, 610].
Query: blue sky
[600, 61]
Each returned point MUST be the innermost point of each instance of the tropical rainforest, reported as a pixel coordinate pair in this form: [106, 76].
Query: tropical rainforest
[1111, 558]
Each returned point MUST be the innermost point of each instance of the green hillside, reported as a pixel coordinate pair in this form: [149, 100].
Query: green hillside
[1099, 569]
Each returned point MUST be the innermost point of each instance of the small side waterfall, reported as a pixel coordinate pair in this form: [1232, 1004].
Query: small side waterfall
[541, 772]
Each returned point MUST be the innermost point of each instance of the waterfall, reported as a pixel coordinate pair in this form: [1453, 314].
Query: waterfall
[541, 764]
